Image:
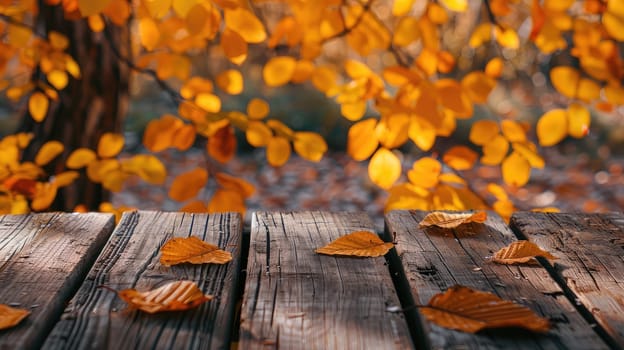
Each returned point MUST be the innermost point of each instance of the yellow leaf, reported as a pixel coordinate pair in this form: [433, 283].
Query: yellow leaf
[278, 70]
[579, 120]
[184, 137]
[65, 178]
[110, 145]
[303, 71]
[246, 24]
[614, 24]
[186, 185]
[588, 90]
[198, 19]
[222, 145]
[257, 109]
[80, 158]
[454, 98]
[357, 243]
[226, 200]
[391, 131]
[519, 252]
[425, 172]
[565, 80]
[159, 133]
[208, 102]
[494, 68]
[58, 79]
[45, 193]
[436, 13]
[507, 37]
[452, 220]
[353, 111]
[552, 127]
[495, 150]
[236, 184]
[460, 158]
[401, 7]
[58, 40]
[468, 310]
[483, 131]
[513, 131]
[324, 79]
[173, 296]
[10, 317]
[278, 151]
[614, 94]
[89, 7]
[480, 35]
[193, 250]
[156, 8]
[361, 139]
[234, 46]
[384, 168]
[149, 33]
[258, 134]
[48, 151]
[529, 151]
[231, 81]
[478, 86]
[38, 106]
[406, 32]
[194, 207]
[422, 133]
[309, 145]
[516, 170]
[98, 169]
[456, 5]
[148, 167]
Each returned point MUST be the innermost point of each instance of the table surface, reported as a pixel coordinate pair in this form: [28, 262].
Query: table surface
[277, 292]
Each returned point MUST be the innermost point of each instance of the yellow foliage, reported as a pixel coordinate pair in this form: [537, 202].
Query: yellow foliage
[110, 144]
[279, 70]
[48, 152]
[38, 106]
[384, 168]
[186, 185]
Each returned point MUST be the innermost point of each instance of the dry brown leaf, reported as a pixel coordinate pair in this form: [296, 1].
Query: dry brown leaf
[10, 316]
[192, 250]
[358, 243]
[452, 220]
[520, 252]
[468, 310]
[174, 296]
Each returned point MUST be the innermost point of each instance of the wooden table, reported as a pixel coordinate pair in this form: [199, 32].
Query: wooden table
[278, 293]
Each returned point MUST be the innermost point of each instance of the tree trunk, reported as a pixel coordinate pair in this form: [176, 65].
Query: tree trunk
[87, 107]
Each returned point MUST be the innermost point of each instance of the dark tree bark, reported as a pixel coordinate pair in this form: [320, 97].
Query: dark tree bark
[87, 107]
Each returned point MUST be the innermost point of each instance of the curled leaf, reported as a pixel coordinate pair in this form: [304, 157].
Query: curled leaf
[192, 250]
[357, 243]
[520, 252]
[174, 296]
[11, 317]
[452, 220]
[468, 310]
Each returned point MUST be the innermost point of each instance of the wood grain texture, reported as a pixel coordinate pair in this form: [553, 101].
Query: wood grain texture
[43, 259]
[591, 264]
[97, 319]
[435, 259]
[295, 298]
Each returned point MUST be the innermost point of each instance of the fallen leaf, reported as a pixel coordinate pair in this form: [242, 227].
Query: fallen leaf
[174, 296]
[358, 243]
[520, 252]
[11, 317]
[452, 220]
[468, 310]
[192, 250]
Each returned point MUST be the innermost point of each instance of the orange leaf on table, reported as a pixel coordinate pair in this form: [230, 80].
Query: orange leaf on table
[192, 250]
[173, 296]
[468, 310]
[520, 252]
[357, 243]
[452, 220]
[11, 317]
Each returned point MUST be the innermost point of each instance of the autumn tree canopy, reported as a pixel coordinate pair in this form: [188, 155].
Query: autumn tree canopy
[398, 76]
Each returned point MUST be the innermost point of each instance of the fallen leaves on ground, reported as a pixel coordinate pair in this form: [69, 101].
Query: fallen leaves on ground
[520, 252]
[173, 296]
[358, 243]
[10, 316]
[467, 310]
[192, 250]
[452, 220]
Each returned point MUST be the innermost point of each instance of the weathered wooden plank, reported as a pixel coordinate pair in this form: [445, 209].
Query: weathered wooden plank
[43, 260]
[435, 259]
[295, 298]
[96, 318]
[590, 267]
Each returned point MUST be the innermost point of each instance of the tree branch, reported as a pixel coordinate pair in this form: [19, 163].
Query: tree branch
[365, 8]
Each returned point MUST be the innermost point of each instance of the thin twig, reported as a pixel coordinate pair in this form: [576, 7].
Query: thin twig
[365, 9]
